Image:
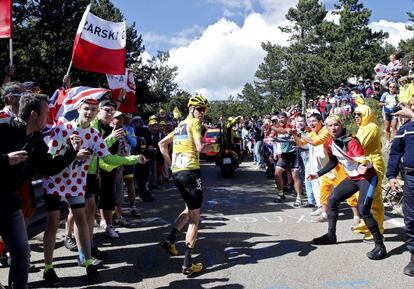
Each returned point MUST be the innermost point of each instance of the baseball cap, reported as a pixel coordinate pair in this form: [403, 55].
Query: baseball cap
[88, 100]
[118, 114]
[152, 122]
[107, 102]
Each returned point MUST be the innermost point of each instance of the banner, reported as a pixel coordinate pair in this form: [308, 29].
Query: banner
[126, 82]
[64, 102]
[5, 19]
[99, 45]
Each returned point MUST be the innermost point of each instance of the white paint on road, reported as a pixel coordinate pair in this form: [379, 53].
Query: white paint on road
[394, 221]
[246, 220]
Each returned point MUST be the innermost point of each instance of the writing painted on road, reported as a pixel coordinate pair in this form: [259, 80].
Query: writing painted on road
[273, 219]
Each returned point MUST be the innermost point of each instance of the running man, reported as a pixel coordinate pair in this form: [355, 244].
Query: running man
[185, 165]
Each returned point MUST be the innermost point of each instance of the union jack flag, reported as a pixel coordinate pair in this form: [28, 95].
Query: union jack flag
[64, 102]
[5, 117]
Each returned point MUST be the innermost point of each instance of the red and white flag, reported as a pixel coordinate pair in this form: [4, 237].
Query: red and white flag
[64, 102]
[99, 45]
[5, 19]
[127, 82]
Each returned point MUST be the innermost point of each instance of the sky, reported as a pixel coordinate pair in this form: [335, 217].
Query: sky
[216, 44]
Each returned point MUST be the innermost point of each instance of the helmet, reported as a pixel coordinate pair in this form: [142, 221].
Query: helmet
[153, 117]
[197, 100]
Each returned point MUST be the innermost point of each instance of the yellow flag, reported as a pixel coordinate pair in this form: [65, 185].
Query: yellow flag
[176, 113]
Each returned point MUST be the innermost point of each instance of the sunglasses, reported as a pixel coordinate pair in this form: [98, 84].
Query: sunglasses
[109, 111]
[410, 63]
[201, 108]
[357, 115]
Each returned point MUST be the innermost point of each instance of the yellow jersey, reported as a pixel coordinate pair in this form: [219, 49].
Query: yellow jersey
[185, 155]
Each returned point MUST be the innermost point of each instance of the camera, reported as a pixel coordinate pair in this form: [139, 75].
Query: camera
[397, 108]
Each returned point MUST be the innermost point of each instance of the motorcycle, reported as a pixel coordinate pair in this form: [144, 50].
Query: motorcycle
[228, 160]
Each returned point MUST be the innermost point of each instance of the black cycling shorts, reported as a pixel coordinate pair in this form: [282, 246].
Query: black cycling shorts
[190, 187]
[290, 160]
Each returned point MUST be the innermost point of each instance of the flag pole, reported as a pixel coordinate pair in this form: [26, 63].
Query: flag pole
[79, 30]
[11, 51]
[69, 68]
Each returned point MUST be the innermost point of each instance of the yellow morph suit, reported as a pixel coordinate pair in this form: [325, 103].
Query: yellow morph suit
[332, 179]
[370, 138]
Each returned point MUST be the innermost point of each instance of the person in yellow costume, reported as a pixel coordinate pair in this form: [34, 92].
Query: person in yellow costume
[322, 187]
[369, 136]
[229, 135]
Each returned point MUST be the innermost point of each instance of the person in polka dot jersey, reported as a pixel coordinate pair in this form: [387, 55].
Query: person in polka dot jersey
[70, 183]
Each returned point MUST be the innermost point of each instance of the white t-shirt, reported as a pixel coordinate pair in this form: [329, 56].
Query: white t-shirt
[71, 181]
[390, 101]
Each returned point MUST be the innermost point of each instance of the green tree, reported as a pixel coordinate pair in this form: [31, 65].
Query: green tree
[356, 49]
[304, 63]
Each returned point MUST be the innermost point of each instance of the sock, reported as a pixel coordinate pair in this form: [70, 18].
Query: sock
[82, 256]
[187, 257]
[324, 214]
[172, 236]
[88, 262]
[48, 266]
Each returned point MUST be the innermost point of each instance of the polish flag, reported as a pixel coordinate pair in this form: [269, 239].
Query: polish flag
[99, 45]
[126, 82]
[5, 19]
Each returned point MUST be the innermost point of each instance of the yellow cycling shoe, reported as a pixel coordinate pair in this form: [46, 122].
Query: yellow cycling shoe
[170, 248]
[194, 268]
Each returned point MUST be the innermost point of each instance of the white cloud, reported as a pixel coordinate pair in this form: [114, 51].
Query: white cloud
[226, 55]
[330, 16]
[396, 30]
[218, 60]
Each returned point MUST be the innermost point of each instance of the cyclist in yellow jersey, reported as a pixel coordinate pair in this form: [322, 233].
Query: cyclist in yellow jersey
[185, 165]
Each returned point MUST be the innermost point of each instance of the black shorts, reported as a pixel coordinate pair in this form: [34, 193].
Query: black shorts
[128, 171]
[190, 187]
[91, 186]
[290, 160]
[388, 116]
[53, 202]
